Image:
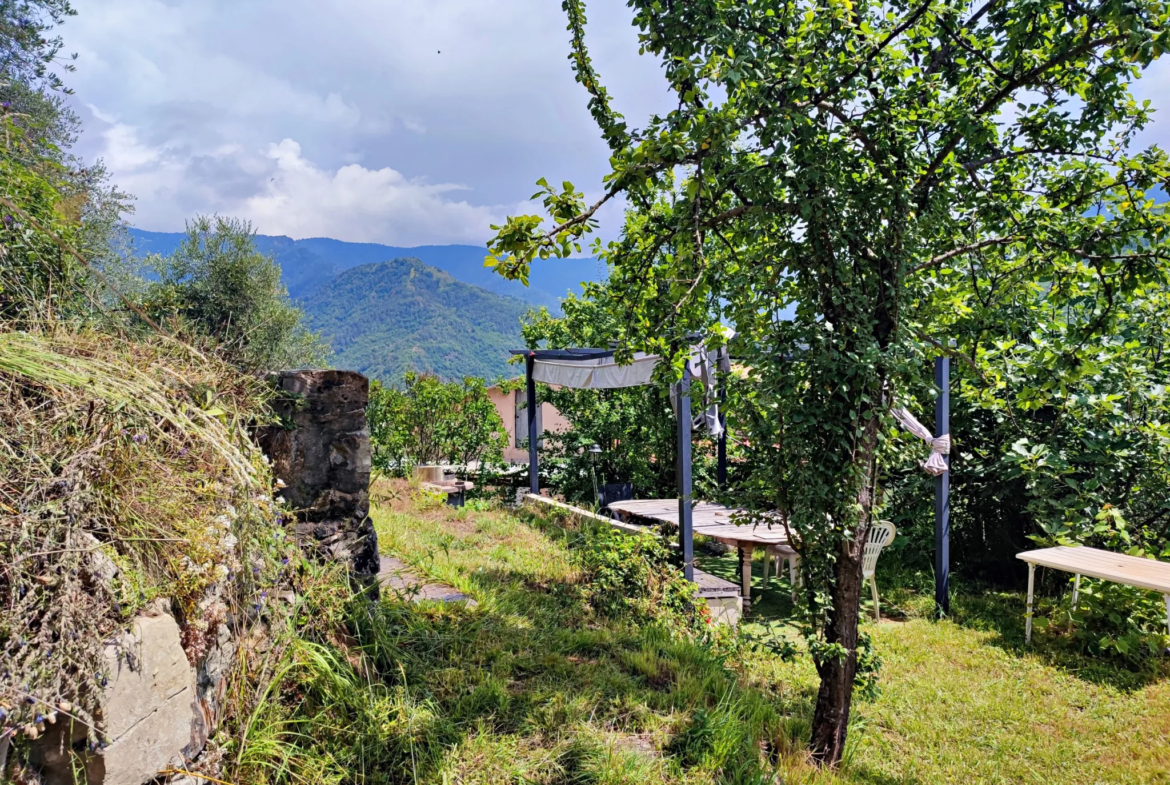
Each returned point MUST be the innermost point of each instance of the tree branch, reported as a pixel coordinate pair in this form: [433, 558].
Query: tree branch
[994, 100]
[951, 254]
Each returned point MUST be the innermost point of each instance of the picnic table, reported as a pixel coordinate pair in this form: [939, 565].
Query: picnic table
[715, 521]
[1096, 563]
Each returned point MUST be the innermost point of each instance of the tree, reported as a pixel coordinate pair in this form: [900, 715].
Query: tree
[26, 49]
[57, 206]
[845, 182]
[218, 285]
[430, 421]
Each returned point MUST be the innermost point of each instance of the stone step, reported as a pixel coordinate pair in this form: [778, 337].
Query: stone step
[399, 578]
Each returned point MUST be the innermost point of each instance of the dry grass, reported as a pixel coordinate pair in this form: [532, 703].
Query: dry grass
[128, 475]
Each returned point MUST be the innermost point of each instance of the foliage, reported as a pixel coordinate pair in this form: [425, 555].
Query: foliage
[434, 422]
[632, 577]
[55, 202]
[392, 317]
[38, 279]
[26, 49]
[129, 476]
[849, 185]
[218, 285]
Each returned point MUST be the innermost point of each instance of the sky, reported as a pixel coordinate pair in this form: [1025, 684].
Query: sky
[405, 122]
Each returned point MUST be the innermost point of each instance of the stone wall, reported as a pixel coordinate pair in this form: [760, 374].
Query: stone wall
[321, 451]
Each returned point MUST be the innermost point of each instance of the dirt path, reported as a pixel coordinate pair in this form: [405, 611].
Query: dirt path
[397, 577]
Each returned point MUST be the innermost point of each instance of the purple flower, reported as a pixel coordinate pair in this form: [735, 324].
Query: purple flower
[183, 452]
[284, 560]
[140, 438]
[6, 105]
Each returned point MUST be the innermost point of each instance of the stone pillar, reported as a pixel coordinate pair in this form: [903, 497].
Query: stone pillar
[321, 450]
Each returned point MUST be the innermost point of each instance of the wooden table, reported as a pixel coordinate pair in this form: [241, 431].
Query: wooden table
[714, 521]
[1116, 567]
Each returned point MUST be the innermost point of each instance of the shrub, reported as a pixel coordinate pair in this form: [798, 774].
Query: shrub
[632, 576]
[219, 285]
[430, 421]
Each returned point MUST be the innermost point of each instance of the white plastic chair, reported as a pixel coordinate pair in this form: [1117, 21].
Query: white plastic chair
[880, 535]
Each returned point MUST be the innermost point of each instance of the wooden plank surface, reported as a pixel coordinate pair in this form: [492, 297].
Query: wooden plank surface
[708, 519]
[1096, 563]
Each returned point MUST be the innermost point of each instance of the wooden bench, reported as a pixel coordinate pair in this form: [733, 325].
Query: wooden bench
[1116, 567]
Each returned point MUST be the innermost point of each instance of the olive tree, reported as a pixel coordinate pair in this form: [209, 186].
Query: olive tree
[828, 167]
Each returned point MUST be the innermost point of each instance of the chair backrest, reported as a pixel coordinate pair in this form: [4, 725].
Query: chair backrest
[615, 492]
[880, 535]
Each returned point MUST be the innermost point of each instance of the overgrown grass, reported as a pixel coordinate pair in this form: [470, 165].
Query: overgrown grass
[128, 474]
[532, 686]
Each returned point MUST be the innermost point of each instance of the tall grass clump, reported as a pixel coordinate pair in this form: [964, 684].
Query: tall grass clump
[128, 476]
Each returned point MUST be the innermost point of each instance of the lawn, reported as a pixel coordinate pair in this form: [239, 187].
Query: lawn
[530, 687]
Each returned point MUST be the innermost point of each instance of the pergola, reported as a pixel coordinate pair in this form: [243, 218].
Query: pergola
[597, 369]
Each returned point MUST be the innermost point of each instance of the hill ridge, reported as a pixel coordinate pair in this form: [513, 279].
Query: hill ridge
[385, 318]
[310, 263]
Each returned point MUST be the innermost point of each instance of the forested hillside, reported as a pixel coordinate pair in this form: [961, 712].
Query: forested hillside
[391, 317]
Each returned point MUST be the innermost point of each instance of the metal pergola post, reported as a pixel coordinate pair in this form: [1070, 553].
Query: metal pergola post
[721, 470]
[683, 473]
[530, 394]
[942, 491]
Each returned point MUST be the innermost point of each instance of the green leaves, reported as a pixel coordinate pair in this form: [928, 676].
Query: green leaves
[856, 185]
[519, 241]
[431, 421]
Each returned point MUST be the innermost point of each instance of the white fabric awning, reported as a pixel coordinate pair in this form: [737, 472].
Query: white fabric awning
[602, 373]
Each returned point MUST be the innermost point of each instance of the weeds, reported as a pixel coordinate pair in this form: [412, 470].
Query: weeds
[128, 475]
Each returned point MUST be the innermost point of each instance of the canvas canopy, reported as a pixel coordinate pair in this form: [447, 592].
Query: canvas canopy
[595, 373]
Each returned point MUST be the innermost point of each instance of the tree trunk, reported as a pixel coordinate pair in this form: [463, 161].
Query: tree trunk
[835, 697]
[831, 719]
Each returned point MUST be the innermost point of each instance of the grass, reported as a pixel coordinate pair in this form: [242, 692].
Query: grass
[128, 475]
[530, 687]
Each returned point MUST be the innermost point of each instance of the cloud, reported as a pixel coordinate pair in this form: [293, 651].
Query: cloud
[186, 97]
[362, 205]
[385, 98]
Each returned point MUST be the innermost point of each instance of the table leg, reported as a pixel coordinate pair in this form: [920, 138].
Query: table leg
[745, 572]
[1076, 591]
[764, 584]
[1028, 616]
[1166, 597]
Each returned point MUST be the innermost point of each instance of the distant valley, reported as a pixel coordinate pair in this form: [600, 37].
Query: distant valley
[387, 310]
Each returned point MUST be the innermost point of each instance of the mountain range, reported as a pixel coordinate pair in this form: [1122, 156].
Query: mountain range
[387, 310]
[312, 263]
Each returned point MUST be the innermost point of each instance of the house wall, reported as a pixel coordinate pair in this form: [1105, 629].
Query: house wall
[505, 403]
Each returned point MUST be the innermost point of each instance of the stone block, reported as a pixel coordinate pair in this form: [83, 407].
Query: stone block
[321, 451]
[147, 709]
